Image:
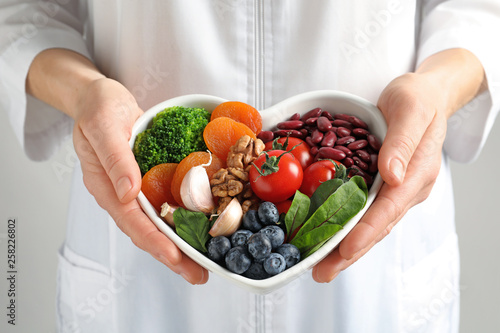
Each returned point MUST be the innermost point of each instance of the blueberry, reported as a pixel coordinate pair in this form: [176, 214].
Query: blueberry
[259, 246]
[291, 254]
[217, 248]
[240, 237]
[238, 260]
[275, 235]
[268, 213]
[274, 264]
[256, 272]
[251, 221]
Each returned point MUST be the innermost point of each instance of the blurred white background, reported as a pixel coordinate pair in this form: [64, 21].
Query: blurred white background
[36, 195]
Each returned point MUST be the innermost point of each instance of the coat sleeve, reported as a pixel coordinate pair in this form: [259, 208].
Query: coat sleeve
[472, 25]
[28, 27]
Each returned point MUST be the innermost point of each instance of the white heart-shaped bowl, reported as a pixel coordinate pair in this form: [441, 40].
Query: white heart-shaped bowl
[329, 100]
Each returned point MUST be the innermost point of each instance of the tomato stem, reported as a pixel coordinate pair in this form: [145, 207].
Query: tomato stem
[270, 166]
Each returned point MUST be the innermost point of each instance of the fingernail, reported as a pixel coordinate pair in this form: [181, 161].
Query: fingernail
[123, 186]
[397, 169]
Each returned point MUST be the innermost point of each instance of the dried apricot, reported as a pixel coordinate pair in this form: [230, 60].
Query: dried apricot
[192, 160]
[223, 132]
[156, 185]
[241, 112]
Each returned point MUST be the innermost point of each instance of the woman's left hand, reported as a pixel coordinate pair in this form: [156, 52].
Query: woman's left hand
[416, 107]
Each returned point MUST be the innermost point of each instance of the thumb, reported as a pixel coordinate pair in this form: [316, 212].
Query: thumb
[109, 140]
[406, 125]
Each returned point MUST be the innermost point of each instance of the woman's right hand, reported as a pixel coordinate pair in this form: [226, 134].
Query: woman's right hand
[105, 112]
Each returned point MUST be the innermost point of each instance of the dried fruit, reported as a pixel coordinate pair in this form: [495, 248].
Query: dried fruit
[221, 133]
[156, 185]
[241, 112]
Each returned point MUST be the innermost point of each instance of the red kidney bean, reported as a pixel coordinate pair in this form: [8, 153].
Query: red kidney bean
[314, 150]
[360, 132]
[324, 124]
[329, 139]
[342, 123]
[373, 164]
[313, 113]
[311, 121]
[331, 153]
[373, 141]
[346, 150]
[308, 140]
[291, 132]
[348, 162]
[342, 116]
[360, 163]
[358, 122]
[266, 136]
[327, 114]
[295, 116]
[364, 155]
[345, 140]
[358, 144]
[291, 124]
[304, 132]
[342, 132]
[355, 170]
[316, 136]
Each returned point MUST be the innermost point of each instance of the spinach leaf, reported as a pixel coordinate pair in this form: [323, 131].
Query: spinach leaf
[331, 216]
[193, 227]
[322, 193]
[297, 214]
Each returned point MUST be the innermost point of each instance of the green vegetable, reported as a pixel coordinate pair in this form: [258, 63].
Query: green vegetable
[297, 214]
[343, 201]
[193, 227]
[173, 134]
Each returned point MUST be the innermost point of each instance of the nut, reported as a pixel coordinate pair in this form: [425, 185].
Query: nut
[232, 181]
[244, 152]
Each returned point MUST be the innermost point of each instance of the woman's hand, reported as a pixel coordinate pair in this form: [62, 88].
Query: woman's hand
[416, 107]
[104, 112]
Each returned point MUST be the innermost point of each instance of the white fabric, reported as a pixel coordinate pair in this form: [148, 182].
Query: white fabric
[258, 52]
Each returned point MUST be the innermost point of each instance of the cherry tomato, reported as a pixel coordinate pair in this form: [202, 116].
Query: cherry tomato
[301, 151]
[317, 173]
[280, 184]
[283, 206]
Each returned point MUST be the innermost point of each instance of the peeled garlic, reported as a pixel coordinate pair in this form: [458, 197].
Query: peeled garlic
[196, 192]
[229, 220]
[167, 212]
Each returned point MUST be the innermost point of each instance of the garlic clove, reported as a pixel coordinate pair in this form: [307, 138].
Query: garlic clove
[229, 220]
[167, 212]
[196, 191]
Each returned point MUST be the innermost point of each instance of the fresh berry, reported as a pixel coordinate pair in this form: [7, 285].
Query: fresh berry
[268, 213]
[217, 248]
[238, 260]
[240, 237]
[259, 246]
[275, 235]
[256, 272]
[291, 254]
[274, 264]
[251, 221]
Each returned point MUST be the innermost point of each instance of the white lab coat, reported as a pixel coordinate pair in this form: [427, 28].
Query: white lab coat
[258, 52]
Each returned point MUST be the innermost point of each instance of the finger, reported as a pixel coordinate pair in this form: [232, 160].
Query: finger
[147, 237]
[377, 222]
[407, 121]
[109, 138]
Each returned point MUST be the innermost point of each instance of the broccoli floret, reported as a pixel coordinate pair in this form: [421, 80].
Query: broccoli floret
[173, 134]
